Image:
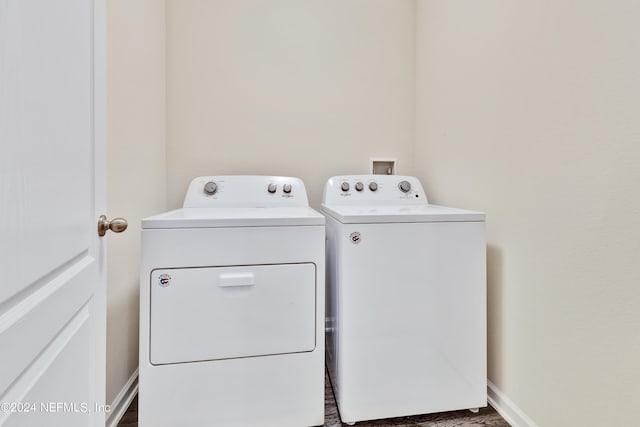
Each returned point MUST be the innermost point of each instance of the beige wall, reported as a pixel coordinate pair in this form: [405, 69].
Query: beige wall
[286, 87]
[530, 111]
[136, 166]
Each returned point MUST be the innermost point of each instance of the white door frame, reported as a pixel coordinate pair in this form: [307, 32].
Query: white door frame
[100, 196]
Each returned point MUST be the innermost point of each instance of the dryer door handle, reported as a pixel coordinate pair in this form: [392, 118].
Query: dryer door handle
[236, 279]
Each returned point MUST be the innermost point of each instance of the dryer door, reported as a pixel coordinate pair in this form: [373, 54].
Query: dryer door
[229, 312]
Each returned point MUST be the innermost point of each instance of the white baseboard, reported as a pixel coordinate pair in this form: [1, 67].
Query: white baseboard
[122, 401]
[506, 408]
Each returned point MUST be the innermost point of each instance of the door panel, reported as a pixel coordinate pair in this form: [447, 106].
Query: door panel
[229, 312]
[41, 316]
[51, 260]
[51, 392]
[45, 122]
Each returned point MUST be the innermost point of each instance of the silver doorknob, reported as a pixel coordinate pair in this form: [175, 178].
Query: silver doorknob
[117, 225]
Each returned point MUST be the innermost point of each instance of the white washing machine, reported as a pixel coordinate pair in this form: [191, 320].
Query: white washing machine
[406, 300]
[232, 307]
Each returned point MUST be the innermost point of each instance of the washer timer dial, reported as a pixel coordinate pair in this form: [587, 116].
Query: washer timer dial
[404, 186]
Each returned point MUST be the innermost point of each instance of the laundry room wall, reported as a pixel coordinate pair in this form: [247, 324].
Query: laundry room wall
[286, 87]
[136, 171]
[530, 111]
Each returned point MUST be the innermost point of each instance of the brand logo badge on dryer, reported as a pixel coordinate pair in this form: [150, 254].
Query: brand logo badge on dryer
[355, 237]
[164, 280]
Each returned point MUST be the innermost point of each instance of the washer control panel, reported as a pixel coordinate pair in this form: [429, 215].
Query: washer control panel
[374, 189]
[237, 191]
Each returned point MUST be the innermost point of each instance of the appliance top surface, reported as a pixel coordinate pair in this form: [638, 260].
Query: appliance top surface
[240, 201]
[385, 198]
[363, 214]
[234, 217]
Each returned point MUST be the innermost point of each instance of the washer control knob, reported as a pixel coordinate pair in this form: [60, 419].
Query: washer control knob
[404, 186]
[373, 186]
[359, 186]
[345, 186]
[272, 188]
[286, 188]
[210, 188]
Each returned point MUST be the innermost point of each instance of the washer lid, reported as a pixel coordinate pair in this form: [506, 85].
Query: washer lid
[234, 217]
[352, 214]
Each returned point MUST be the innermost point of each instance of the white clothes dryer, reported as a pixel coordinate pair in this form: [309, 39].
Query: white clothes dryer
[406, 300]
[232, 307]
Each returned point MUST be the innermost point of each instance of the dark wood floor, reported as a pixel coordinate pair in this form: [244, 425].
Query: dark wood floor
[487, 417]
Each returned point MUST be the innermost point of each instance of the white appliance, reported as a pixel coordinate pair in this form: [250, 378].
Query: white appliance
[406, 300]
[232, 307]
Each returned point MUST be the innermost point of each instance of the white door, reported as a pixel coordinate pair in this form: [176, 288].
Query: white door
[52, 142]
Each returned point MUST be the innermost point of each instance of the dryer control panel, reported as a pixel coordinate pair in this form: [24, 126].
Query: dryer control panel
[374, 189]
[245, 191]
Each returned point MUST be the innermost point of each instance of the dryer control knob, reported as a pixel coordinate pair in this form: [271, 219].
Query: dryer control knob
[272, 188]
[286, 188]
[373, 186]
[210, 188]
[359, 186]
[404, 186]
[345, 186]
